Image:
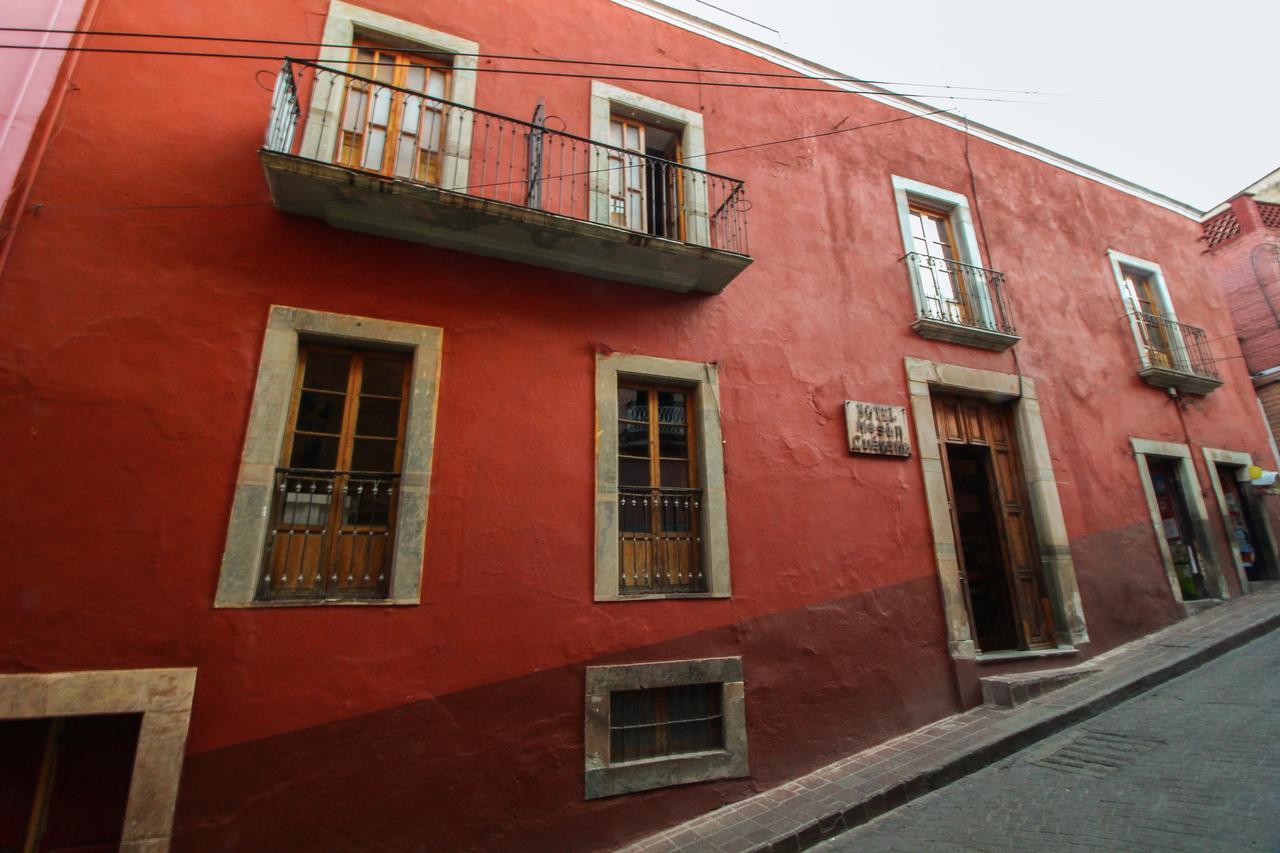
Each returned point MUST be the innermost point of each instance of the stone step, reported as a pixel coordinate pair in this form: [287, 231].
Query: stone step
[1013, 689]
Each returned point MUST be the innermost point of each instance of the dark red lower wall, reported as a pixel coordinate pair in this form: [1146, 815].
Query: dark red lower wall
[500, 767]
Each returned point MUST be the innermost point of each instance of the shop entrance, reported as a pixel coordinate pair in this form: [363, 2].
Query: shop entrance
[1243, 514]
[993, 529]
[1175, 527]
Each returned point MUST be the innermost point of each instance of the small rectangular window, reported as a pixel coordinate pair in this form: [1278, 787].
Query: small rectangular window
[659, 525]
[337, 487]
[664, 721]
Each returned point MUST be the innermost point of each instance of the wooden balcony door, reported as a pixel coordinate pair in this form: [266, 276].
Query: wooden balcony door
[1150, 313]
[995, 537]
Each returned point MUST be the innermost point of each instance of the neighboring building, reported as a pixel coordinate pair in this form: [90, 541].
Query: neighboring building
[469, 482]
[1243, 239]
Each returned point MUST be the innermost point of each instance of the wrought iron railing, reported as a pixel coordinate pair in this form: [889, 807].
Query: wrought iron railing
[339, 118]
[660, 540]
[1170, 345]
[332, 534]
[955, 292]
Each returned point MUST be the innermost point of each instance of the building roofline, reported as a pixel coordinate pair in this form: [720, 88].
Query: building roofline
[760, 49]
[1272, 177]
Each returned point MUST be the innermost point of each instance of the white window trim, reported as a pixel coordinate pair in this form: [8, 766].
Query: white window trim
[1190, 482]
[1118, 261]
[715, 530]
[604, 778]
[905, 191]
[341, 26]
[607, 100]
[240, 578]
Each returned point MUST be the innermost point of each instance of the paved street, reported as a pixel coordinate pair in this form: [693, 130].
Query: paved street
[1191, 765]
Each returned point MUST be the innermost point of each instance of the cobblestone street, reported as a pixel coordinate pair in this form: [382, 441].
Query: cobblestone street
[1191, 765]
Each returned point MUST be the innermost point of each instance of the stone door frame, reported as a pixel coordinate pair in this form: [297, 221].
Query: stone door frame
[1057, 567]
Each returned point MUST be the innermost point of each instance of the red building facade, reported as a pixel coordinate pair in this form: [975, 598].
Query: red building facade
[433, 477]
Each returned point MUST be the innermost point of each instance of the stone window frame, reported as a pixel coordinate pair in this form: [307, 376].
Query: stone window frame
[1119, 260]
[1057, 565]
[603, 779]
[162, 696]
[1190, 480]
[343, 23]
[702, 378]
[240, 577]
[905, 191]
[1212, 458]
[608, 100]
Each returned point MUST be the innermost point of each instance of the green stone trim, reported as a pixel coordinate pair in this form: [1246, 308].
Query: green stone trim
[701, 377]
[241, 569]
[606, 779]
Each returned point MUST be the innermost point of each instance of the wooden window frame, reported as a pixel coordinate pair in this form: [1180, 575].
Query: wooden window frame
[335, 529]
[239, 579]
[606, 777]
[659, 512]
[698, 378]
[1173, 356]
[401, 62]
[344, 25]
[609, 102]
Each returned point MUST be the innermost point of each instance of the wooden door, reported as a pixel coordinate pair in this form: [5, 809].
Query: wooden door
[968, 422]
[627, 192]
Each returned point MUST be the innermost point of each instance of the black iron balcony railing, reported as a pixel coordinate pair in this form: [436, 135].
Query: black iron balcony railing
[659, 540]
[332, 534]
[1167, 345]
[338, 118]
[955, 292]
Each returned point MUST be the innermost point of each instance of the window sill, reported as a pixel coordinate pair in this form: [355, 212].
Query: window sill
[659, 596]
[649, 773]
[316, 602]
[1026, 654]
[956, 333]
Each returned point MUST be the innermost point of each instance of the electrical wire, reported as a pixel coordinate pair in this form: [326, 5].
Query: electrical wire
[524, 58]
[527, 72]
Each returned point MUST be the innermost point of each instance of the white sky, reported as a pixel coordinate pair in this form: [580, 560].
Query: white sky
[1180, 97]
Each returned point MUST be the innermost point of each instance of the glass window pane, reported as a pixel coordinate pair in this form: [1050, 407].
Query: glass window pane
[381, 107]
[633, 472]
[382, 376]
[436, 85]
[353, 118]
[409, 115]
[674, 473]
[314, 451]
[373, 454]
[633, 439]
[633, 137]
[373, 149]
[319, 411]
[378, 416]
[415, 78]
[671, 407]
[326, 371]
[673, 440]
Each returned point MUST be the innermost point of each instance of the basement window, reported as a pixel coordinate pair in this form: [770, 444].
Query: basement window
[653, 725]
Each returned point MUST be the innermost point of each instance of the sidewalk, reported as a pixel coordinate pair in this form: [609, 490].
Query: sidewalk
[856, 789]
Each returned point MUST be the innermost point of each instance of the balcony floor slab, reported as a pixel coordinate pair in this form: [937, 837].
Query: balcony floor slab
[388, 207]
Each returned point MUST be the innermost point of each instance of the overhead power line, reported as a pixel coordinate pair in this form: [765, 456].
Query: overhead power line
[528, 72]
[523, 58]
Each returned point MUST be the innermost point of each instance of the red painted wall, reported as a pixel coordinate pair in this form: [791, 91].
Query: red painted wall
[134, 303]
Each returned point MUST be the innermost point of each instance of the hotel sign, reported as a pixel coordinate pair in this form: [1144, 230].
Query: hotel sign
[877, 429]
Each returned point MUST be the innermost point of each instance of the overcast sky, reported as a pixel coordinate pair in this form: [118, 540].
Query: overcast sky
[1180, 97]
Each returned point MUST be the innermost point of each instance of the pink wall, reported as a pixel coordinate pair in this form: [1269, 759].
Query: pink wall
[27, 76]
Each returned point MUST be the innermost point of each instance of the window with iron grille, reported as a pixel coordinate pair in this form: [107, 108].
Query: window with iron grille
[664, 721]
[649, 725]
[660, 502]
[331, 498]
[659, 535]
[333, 513]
